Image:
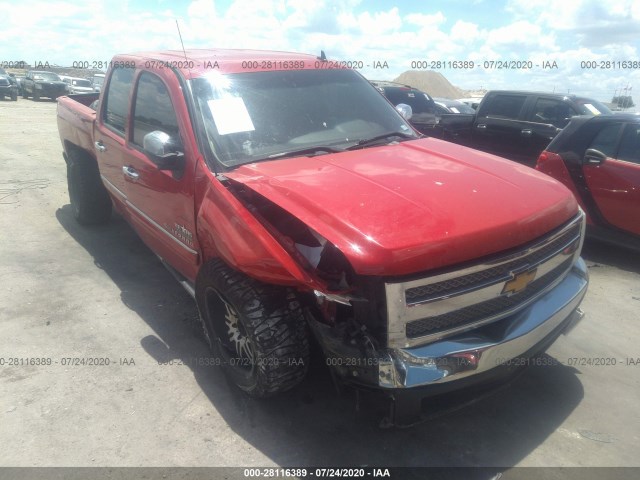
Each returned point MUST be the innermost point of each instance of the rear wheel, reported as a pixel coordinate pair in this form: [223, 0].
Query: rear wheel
[256, 331]
[89, 199]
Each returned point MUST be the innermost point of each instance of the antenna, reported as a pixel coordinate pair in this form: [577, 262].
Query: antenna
[181, 42]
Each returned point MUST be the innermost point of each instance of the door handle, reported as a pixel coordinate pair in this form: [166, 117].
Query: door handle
[100, 146]
[481, 126]
[131, 173]
[526, 132]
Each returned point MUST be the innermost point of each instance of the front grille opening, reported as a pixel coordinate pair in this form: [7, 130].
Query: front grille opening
[484, 310]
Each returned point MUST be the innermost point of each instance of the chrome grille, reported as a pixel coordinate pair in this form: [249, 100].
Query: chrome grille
[425, 310]
[489, 308]
[482, 278]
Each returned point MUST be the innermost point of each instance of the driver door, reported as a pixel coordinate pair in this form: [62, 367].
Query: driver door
[160, 201]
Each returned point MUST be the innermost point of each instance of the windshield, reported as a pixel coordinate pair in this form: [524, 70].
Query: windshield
[98, 80]
[254, 116]
[81, 83]
[47, 76]
[591, 107]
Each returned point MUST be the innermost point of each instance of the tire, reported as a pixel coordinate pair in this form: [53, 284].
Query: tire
[256, 331]
[89, 199]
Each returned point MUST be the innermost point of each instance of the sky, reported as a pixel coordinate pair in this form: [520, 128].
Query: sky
[588, 46]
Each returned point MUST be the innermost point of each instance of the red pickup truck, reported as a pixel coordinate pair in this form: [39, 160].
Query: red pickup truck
[291, 199]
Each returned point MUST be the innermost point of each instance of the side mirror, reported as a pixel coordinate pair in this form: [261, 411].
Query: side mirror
[163, 151]
[594, 157]
[405, 110]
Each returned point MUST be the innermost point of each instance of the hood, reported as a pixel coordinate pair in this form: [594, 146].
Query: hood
[414, 206]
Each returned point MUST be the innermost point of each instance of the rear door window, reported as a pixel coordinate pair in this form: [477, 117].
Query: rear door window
[116, 111]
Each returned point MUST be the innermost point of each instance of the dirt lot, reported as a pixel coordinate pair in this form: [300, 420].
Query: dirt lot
[72, 292]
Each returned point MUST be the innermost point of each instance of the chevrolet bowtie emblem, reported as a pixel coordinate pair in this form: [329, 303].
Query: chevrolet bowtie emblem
[519, 282]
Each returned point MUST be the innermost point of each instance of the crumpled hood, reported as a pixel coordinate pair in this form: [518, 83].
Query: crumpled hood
[414, 206]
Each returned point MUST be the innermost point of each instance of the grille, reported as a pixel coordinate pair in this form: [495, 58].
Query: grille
[480, 311]
[451, 287]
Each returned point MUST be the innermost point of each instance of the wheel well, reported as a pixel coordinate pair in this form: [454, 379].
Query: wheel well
[71, 150]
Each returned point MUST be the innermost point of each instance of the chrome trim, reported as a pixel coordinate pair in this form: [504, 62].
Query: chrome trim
[146, 217]
[399, 312]
[159, 227]
[113, 187]
[473, 353]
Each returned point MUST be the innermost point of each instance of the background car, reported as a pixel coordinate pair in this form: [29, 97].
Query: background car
[598, 158]
[78, 85]
[424, 108]
[97, 80]
[8, 87]
[40, 84]
[447, 105]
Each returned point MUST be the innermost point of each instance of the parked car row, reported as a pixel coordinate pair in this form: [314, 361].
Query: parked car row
[44, 84]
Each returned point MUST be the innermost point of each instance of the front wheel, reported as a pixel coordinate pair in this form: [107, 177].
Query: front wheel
[257, 331]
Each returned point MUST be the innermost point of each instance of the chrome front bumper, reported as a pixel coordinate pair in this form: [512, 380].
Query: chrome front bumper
[483, 349]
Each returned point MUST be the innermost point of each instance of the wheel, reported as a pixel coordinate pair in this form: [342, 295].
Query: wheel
[256, 331]
[36, 96]
[89, 199]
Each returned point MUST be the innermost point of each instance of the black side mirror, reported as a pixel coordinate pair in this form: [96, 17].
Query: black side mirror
[163, 151]
[593, 157]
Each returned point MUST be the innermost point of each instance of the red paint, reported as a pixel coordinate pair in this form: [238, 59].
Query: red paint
[391, 210]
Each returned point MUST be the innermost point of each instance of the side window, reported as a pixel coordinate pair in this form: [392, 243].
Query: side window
[548, 110]
[607, 139]
[116, 111]
[153, 110]
[630, 144]
[504, 106]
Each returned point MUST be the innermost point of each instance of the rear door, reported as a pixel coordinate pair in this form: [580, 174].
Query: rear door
[110, 131]
[161, 202]
[615, 182]
[499, 126]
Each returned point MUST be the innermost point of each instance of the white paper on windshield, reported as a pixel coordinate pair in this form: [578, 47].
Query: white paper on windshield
[592, 109]
[230, 115]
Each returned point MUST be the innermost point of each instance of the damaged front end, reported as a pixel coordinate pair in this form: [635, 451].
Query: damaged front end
[419, 336]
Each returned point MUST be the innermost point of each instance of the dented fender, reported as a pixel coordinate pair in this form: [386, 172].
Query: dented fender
[226, 229]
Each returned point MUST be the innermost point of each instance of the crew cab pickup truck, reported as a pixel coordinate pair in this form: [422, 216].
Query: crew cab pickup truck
[291, 199]
[514, 124]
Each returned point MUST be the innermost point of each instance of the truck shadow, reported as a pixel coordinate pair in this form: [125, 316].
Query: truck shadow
[312, 425]
[596, 252]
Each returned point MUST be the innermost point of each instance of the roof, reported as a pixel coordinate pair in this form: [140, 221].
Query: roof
[197, 62]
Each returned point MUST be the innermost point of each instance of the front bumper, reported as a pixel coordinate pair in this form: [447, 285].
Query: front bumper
[489, 347]
[468, 358]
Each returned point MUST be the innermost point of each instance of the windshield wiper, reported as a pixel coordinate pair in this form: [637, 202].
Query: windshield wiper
[384, 136]
[309, 151]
